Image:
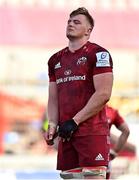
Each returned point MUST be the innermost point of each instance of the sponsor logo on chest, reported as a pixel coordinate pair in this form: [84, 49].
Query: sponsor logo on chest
[67, 72]
[82, 61]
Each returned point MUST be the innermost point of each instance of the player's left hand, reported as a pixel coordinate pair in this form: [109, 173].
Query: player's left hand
[113, 154]
[67, 129]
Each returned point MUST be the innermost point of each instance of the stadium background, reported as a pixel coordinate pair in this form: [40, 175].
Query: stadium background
[30, 32]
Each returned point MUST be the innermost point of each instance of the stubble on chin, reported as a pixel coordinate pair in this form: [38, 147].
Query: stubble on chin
[70, 37]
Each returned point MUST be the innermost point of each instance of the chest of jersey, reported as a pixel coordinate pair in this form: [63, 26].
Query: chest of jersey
[73, 67]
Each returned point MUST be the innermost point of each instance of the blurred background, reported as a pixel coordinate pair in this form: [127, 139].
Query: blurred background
[30, 32]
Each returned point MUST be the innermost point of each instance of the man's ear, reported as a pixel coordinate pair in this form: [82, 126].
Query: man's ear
[88, 32]
[90, 29]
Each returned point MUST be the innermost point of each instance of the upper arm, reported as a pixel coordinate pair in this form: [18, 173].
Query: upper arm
[103, 83]
[124, 128]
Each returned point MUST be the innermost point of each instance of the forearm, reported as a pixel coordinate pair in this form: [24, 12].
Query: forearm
[122, 138]
[94, 105]
[52, 107]
[103, 87]
[121, 142]
[52, 114]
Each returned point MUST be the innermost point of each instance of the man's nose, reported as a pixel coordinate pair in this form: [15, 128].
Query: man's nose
[71, 23]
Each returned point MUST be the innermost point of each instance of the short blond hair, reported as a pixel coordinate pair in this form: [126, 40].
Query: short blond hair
[84, 12]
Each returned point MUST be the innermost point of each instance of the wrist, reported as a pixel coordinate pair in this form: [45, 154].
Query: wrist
[76, 121]
[52, 125]
[113, 152]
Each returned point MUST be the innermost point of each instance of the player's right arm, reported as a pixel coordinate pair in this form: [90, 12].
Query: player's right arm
[122, 126]
[52, 113]
[121, 140]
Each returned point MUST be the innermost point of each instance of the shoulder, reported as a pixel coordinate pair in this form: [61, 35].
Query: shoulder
[100, 55]
[96, 47]
[111, 109]
[57, 55]
[97, 50]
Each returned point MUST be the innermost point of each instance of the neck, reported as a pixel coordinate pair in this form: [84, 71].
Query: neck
[76, 44]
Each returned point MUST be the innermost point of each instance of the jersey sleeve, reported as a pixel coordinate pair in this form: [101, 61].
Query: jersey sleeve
[118, 119]
[103, 62]
[51, 70]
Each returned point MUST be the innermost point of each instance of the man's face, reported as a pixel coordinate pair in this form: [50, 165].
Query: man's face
[78, 27]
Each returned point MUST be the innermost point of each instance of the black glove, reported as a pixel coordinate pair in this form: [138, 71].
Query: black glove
[67, 129]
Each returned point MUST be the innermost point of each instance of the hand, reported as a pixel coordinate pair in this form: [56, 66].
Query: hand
[67, 129]
[50, 135]
[113, 154]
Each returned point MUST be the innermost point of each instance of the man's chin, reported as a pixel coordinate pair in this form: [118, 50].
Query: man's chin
[70, 37]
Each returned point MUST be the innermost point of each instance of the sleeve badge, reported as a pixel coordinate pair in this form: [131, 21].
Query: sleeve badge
[103, 59]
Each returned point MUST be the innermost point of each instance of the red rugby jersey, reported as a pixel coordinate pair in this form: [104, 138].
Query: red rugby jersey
[113, 116]
[73, 73]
